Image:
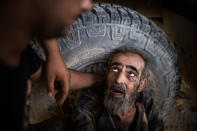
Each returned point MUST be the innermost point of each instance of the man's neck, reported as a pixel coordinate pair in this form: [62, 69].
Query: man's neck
[12, 44]
[128, 117]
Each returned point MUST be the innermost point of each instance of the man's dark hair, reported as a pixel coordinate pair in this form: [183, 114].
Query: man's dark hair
[124, 50]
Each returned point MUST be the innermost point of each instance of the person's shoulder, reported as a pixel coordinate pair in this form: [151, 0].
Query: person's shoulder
[152, 112]
[90, 100]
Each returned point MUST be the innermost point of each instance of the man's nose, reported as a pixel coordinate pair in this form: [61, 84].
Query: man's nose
[86, 5]
[120, 79]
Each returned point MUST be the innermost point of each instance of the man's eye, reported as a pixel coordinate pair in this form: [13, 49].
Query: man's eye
[115, 69]
[131, 74]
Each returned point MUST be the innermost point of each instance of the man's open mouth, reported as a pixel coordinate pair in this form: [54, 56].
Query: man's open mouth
[117, 92]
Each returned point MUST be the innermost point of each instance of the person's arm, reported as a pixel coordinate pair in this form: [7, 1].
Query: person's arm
[80, 80]
[55, 69]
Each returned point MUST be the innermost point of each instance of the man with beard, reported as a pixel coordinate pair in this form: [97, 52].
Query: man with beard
[22, 21]
[120, 105]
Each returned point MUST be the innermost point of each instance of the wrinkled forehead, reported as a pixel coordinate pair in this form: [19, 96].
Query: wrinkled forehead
[129, 59]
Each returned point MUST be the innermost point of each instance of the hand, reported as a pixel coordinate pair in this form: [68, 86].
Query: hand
[56, 71]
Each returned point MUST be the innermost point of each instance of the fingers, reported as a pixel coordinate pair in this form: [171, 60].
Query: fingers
[50, 88]
[63, 93]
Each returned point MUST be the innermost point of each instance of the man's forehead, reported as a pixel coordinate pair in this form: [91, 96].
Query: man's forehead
[129, 59]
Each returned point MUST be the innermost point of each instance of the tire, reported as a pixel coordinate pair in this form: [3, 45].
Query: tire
[109, 26]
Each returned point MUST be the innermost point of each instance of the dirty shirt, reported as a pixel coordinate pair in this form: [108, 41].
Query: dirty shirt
[91, 115]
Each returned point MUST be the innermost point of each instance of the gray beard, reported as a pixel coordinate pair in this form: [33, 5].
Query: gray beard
[118, 105]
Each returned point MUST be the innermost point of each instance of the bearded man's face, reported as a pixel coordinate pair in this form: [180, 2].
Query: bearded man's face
[123, 82]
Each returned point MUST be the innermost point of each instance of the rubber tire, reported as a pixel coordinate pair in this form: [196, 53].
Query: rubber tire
[109, 26]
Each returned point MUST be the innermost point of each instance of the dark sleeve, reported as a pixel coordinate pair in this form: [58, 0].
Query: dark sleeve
[33, 60]
[84, 119]
[155, 122]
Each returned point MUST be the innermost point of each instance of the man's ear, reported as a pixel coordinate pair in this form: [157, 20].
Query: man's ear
[142, 85]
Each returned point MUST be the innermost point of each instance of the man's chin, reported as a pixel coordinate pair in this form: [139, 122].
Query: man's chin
[57, 34]
[117, 103]
[44, 33]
